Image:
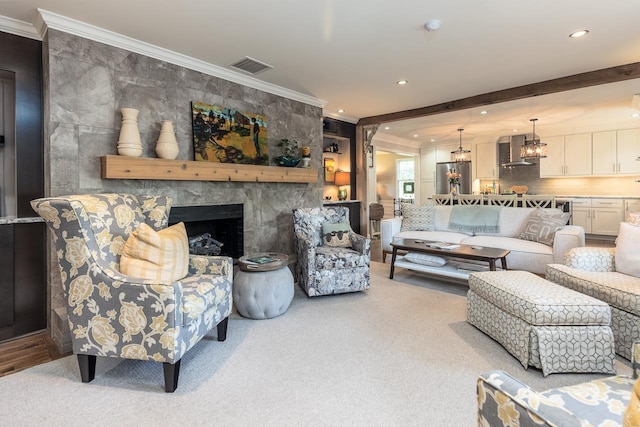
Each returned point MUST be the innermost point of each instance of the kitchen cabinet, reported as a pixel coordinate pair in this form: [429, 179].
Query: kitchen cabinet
[615, 152]
[427, 173]
[628, 151]
[486, 161]
[598, 216]
[568, 155]
[631, 205]
[443, 152]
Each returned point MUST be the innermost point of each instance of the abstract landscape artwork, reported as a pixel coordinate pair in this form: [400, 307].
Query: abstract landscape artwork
[225, 135]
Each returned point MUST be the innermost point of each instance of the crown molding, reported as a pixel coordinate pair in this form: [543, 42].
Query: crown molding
[19, 28]
[88, 31]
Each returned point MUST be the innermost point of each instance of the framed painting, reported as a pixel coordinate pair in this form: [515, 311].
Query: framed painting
[225, 135]
[407, 188]
[329, 170]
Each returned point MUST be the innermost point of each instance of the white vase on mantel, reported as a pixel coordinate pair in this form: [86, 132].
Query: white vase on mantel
[167, 145]
[129, 143]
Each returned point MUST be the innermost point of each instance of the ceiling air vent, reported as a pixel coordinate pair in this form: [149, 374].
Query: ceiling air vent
[250, 65]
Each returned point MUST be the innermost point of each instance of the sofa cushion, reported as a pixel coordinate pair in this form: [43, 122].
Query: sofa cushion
[509, 243]
[627, 254]
[156, 255]
[542, 226]
[418, 218]
[616, 289]
[425, 259]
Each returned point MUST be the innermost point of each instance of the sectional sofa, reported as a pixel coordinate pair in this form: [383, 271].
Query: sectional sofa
[528, 255]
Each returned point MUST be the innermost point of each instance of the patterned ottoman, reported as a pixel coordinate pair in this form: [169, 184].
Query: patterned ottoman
[540, 323]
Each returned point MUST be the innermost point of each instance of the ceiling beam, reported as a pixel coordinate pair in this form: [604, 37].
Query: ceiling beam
[576, 81]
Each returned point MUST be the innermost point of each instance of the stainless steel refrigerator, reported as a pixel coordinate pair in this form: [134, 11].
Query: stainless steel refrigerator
[442, 181]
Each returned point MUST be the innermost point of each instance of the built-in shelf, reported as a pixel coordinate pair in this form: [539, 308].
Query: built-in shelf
[124, 167]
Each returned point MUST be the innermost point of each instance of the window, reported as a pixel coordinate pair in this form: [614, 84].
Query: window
[405, 177]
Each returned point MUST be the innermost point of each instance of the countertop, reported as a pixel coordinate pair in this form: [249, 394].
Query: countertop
[635, 196]
[329, 202]
[13, 220]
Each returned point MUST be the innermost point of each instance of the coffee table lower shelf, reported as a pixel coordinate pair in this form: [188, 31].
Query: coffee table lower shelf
[457, 270]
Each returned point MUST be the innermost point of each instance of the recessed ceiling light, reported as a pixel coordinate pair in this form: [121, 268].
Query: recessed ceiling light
[433, 140]
[402, 82]
[387, 128]
[483, 112]
[578, 34]
[635, 115]
[515, 130]
[341, 111]
[415, 136]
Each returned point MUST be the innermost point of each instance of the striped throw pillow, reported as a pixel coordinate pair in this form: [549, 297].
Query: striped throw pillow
[156, 255]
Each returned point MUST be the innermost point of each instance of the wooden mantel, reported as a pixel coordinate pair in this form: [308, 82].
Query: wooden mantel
[124, 167]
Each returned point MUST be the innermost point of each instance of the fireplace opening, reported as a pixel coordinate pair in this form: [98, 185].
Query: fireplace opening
[225, 223]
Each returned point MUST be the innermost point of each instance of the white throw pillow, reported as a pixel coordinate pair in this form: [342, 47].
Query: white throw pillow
[627, 253]
[633, 218]
[425, 259]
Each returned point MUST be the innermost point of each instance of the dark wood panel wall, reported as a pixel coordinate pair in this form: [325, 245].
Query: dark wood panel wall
[22, 246]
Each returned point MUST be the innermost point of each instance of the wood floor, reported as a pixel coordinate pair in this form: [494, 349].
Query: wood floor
[23, 353]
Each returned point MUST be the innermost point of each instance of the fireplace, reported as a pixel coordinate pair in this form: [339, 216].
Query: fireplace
[225, 223]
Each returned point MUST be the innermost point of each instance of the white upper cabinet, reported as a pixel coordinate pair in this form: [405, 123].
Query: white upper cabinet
[443, 152]
[628, 151]
[486, 161]
[428, 163]
[605, 153]
[568, 155]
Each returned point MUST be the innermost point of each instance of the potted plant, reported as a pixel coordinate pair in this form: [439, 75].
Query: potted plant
[290, 151]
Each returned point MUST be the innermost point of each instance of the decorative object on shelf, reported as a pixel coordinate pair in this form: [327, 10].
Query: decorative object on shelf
[533, 148]
[167, 145]
[225, 135]
[329, 170]
[342, 179]
[306, 156]
[289, 150]
[454, 182]
[129, 143]
[460, 155]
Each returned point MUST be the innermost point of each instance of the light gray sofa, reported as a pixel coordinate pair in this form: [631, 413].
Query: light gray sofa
[591, 271]
[525, 255]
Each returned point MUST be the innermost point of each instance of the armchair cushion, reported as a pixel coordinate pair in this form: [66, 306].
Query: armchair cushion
[336, 235]
[542, 226]
[328, 257]
[591, 259]
[627, 255]
[156, 255]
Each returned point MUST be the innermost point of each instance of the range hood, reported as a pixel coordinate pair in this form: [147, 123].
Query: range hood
[509, 149]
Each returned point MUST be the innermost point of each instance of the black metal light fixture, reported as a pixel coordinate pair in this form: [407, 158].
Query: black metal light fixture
[460, 155]
[533, 148]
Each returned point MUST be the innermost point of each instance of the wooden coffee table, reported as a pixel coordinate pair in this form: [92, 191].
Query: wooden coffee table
[490, 255]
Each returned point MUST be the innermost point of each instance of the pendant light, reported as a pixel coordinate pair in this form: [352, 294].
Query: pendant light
[460, 155]
[533, 148]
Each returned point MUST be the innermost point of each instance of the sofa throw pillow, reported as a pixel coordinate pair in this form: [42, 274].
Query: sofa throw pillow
[627, 258]
[425, 259]
[542, 226]
[633, 218]
[417, 218]
[336, 235]
[156, 255]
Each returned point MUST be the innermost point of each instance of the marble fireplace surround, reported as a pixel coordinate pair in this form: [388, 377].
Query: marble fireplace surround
[85, 85]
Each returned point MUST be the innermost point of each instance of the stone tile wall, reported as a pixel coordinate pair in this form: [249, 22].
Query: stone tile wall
[86, 85]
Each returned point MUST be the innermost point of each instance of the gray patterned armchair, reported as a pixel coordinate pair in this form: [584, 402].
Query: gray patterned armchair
[505, 401]
[114, 315]
[324, 270]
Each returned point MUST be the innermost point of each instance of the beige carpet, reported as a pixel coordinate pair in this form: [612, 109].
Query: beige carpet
[399, 354]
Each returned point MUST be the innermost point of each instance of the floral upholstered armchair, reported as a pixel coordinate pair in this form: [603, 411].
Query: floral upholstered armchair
[111, 314]
[322, 269]
[505, 401]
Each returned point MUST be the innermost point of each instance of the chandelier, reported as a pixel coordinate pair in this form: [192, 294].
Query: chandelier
[460, 155]
[533, 148]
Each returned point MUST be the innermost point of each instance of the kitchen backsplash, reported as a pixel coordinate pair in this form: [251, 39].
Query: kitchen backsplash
[587, 186]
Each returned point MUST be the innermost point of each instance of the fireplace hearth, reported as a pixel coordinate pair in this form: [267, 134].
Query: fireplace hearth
[225, 223]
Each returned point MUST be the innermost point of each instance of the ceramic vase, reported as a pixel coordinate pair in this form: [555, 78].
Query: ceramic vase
[167, 145]
[129, 143]
[454, 190]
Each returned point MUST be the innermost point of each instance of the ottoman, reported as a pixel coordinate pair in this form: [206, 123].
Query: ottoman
[542, 324]
[263, 291]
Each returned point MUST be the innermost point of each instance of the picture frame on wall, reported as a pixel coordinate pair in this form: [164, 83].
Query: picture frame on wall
[329, 170]
[408, 188]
